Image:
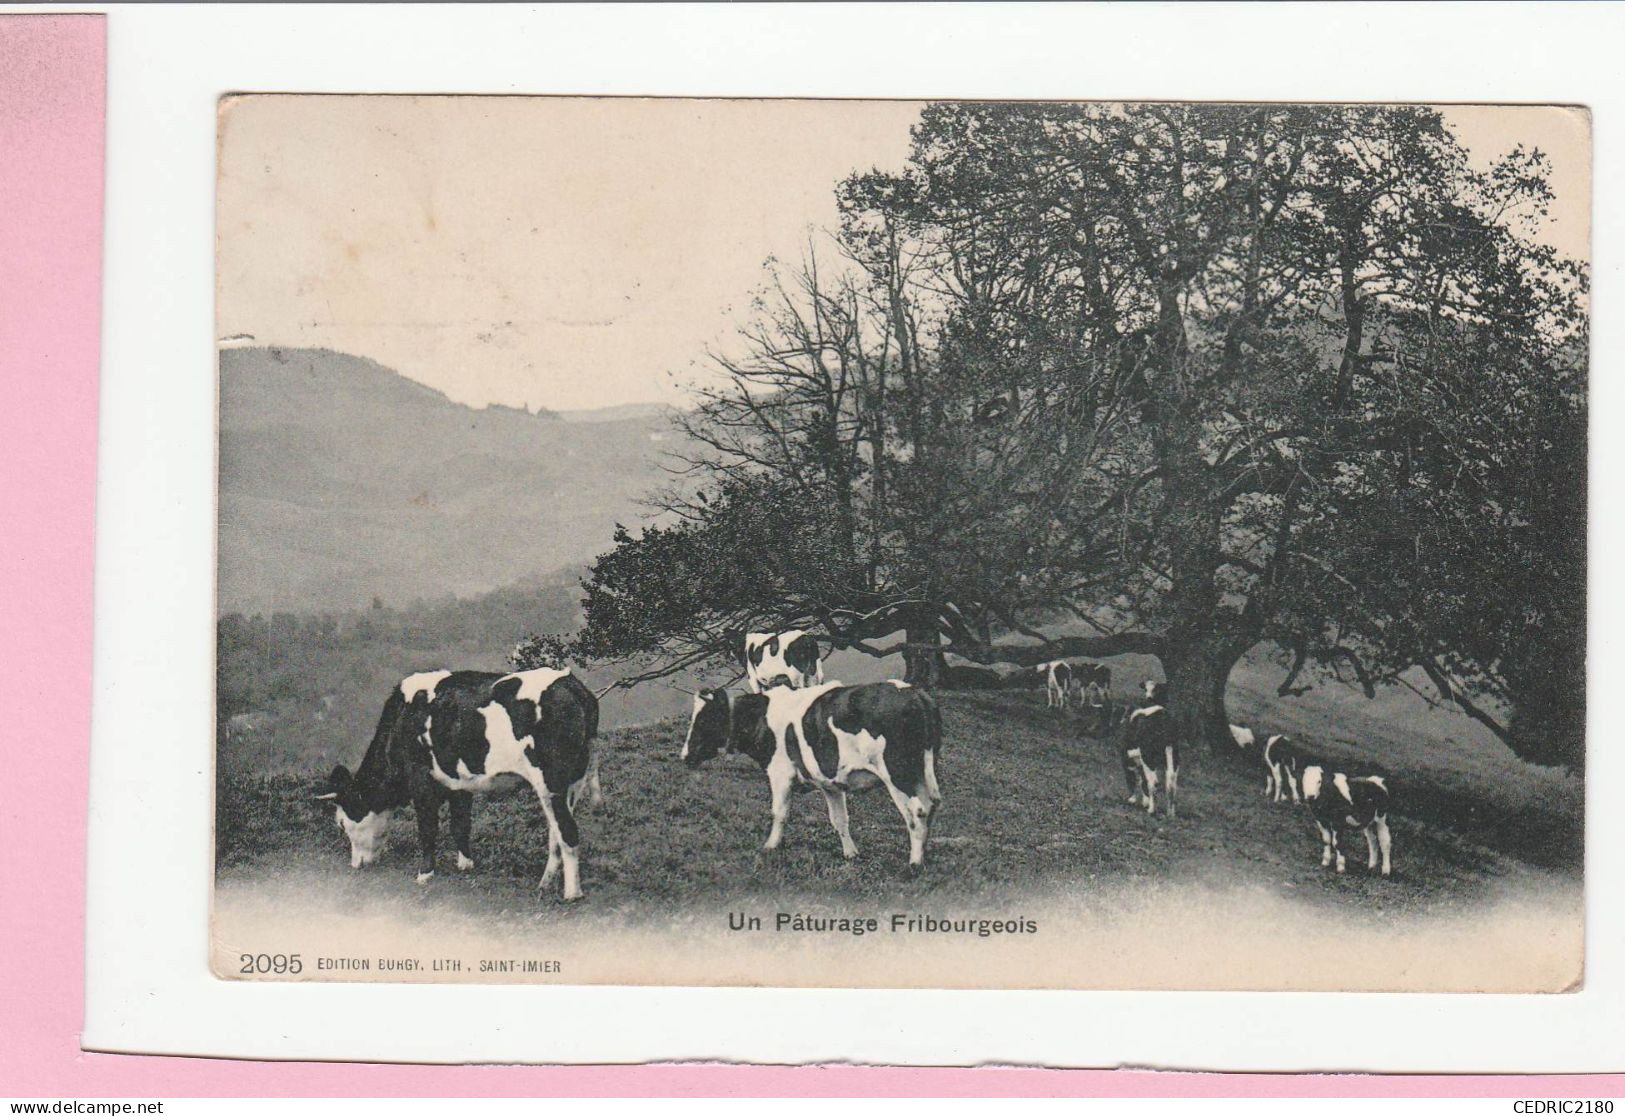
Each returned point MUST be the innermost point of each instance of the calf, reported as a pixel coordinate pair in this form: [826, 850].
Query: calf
[824, 735]
[791, 655]
[1340, 801]
[1282, 764]
[445, 734]
[1280, 760]
[1057, 683]
[1148, 739]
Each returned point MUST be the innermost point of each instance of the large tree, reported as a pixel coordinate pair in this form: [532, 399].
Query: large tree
[1194, 377]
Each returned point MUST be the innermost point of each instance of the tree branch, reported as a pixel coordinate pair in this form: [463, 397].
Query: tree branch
[1300, 658]
[1454, 693]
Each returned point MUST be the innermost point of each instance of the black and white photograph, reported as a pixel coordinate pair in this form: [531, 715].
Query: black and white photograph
[860, 543]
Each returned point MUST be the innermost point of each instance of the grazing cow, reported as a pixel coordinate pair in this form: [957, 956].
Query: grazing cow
[1280, 759]
[446, 734]
[1282, 765]
[825, 735]
[1094, 680]
[1149, 738]
[1057, 683]
[1340, 801]
[791, 655]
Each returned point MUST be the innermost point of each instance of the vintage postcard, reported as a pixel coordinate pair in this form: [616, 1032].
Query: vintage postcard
[900, 544]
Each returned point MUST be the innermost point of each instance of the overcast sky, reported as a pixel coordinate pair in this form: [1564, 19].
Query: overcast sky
[569, 253]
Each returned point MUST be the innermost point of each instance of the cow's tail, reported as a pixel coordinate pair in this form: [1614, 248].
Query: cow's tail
[589, 724]
[933, 748]
[591, 713]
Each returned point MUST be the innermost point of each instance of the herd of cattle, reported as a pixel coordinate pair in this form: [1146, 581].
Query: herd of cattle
[1337, 800]
[1149, 746]
[444, 735]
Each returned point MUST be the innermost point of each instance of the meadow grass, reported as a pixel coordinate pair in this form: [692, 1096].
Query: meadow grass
[1030, 805]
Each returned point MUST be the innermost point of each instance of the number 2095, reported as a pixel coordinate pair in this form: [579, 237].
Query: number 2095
[264, 963]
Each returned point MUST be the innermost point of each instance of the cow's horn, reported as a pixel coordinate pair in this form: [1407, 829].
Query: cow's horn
[327, 797]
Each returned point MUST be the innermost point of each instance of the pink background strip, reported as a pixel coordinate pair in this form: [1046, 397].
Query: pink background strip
[52, 104]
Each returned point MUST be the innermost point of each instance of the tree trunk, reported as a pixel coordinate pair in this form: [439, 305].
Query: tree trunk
[1198, 672]
[1201, 651]
[923, 668]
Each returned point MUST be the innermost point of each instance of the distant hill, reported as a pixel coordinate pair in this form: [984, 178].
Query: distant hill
[341, 481]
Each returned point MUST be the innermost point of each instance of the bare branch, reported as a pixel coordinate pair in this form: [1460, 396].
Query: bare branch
[1457, 694]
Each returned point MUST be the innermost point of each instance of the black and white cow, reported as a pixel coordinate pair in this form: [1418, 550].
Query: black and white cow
[1149, 739]
[1339, 802]
[791, 655]
[1094, 681]
[1057, 683]
[445, 734]
[824, 735]
[1283, 766]
[1280, 759]
[1092, 690]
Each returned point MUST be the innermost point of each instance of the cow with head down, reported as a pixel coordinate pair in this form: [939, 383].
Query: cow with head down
[444, 735]
[1057, 675]
[830, 736]
[1092, 685]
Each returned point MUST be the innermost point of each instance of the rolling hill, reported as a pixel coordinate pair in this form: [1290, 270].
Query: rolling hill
[341, 481]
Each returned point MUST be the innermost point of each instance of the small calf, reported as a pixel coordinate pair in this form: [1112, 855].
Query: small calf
[1340, 801]
[1282, 763]
[1057, 676]
[1093, 682]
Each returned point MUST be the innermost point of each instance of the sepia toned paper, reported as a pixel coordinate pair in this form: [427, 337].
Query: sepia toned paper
[463, 340]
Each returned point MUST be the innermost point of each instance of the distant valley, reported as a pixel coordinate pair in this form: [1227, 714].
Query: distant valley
[342, 481]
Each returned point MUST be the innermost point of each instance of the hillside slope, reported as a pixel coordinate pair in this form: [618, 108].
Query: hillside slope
[341, 481]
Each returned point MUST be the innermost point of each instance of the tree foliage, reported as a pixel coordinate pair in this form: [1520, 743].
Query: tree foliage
[1189, 377]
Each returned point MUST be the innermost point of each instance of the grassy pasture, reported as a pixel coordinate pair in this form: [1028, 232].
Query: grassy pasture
[1030, 804]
